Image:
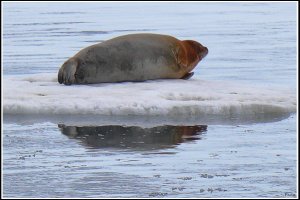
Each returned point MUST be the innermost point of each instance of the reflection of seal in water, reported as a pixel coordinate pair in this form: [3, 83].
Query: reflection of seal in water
[133, 137]
[135, 57]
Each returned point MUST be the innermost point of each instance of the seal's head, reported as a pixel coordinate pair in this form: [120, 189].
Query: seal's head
[201, 50]
[193, 52]
[196, 51]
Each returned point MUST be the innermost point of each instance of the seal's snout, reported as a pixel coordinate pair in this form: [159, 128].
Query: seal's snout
[66, 74]
[204, 52]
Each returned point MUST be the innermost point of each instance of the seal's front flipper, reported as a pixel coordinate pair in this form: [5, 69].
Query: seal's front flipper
[187, 76]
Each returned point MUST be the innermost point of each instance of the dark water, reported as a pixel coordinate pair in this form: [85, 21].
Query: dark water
[94, 156]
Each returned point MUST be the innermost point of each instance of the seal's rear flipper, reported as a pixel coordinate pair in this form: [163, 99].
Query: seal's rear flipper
[66, 73]
[187, 76]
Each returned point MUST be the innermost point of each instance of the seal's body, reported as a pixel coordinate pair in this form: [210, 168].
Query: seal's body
[135, 57]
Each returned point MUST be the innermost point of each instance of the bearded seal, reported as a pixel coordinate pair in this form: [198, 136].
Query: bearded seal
[133, 57]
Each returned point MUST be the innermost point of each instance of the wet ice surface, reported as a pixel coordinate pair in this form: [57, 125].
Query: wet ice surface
[59, 160]
[231, 150]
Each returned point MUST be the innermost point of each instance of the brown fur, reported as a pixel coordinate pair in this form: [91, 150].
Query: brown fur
[190, 54]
